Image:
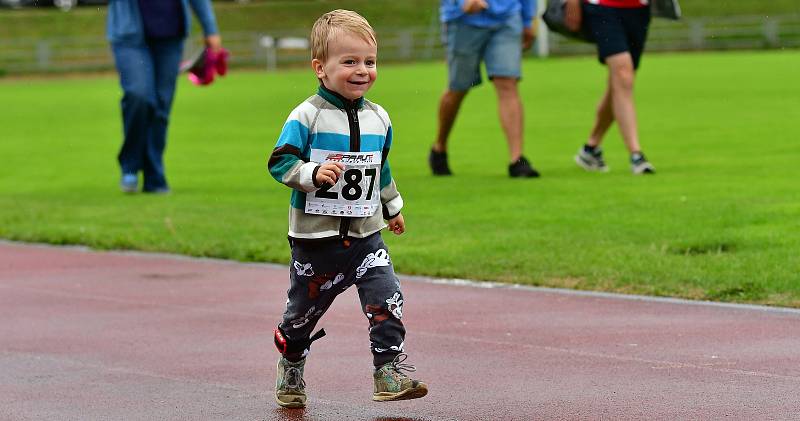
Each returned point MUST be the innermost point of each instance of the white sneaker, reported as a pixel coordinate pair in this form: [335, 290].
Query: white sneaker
[640, 165]
[591, 161]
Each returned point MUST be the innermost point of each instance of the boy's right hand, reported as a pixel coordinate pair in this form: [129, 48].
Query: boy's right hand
[328, 173]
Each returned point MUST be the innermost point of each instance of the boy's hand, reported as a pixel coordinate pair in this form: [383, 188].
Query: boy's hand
[328, 173]
[397, 225]
[474, 6]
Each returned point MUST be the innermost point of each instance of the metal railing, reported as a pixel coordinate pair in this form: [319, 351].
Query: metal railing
[724, 33]
[279, 49]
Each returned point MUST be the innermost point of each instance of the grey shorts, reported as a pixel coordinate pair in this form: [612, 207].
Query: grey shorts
[500, 48]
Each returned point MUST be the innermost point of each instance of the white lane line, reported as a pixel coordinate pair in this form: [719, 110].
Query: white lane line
[440, 281]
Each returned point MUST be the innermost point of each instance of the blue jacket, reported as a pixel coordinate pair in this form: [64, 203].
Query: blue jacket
[498, 12]
[124, 22]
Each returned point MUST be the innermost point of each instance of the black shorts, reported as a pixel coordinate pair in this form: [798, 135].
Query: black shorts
[617, 30]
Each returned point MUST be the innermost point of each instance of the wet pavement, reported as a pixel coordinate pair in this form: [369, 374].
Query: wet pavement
[105, 335]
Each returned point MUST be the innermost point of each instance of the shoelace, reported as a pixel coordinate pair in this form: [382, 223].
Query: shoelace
[397, 364]
[294, 379]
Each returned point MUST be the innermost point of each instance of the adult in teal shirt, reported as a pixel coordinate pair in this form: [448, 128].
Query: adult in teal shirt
[147, 38]
[494, 32]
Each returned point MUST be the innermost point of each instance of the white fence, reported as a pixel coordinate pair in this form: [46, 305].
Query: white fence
[273, 50]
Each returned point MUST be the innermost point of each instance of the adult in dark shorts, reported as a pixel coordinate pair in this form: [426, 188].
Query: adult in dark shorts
[619, 28]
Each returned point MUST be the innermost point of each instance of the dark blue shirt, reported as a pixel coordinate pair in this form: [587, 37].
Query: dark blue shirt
[162, 18]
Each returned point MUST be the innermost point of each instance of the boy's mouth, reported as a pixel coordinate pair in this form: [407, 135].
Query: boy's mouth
[357, 82]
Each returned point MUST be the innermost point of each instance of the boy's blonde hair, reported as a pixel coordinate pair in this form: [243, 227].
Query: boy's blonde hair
[336, 23]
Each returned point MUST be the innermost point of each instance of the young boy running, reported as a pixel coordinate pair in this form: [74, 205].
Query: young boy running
[332, 153]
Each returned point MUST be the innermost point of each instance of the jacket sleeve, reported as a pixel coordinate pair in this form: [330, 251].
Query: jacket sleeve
[205, 14]
[390, 197]
[289, 160]
[529, 10]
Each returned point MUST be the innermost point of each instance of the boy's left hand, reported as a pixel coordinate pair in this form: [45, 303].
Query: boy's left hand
[397, 225]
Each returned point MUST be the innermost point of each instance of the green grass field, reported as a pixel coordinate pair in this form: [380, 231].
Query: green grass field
[720, 221]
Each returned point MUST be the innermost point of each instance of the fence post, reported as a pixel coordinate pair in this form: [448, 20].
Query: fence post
[405, 44]
[542, 47]
[697, 34]
[43, 53]
[268, 44]
[771, 33]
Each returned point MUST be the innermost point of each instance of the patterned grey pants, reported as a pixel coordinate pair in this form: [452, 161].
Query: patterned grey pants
[322, 271]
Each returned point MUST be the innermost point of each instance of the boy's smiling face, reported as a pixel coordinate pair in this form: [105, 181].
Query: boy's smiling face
[351, 67]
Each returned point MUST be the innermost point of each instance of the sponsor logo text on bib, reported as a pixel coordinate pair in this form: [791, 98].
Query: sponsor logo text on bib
[356, 192]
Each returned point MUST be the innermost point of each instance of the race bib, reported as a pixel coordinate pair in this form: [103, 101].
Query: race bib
[356, 192]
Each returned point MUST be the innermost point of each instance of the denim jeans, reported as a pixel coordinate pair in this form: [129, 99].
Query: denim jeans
[147, 73]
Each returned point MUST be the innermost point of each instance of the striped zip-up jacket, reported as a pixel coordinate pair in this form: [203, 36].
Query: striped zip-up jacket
[331, 122]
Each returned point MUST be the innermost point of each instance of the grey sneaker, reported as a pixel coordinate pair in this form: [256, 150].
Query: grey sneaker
[640, 165]
[393, 385]
[290, 388]
[591, 161]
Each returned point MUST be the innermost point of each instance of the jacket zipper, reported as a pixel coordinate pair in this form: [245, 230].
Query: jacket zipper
[355, 146]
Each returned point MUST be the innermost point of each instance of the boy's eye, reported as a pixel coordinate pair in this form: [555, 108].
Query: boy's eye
[370, 63]
[349, 61]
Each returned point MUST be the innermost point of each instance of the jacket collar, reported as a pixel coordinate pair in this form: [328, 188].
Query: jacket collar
[338, 100]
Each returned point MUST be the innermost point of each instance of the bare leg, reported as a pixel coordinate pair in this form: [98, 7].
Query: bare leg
[621, 77]
[448, 110]
[511, 117]
[603, 120]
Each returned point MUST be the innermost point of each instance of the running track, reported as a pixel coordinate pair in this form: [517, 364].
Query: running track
[103, 335]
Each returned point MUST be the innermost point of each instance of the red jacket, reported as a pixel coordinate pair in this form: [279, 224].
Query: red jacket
[627, 4]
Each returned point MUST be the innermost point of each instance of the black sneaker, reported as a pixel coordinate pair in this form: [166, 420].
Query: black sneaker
[640, 165]
[438, 163]
[522, 168]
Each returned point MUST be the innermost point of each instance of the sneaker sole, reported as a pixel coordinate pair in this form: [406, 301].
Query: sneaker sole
[588, 167]
[293, 404]
[415, 393]
[649, 170]
[439, 171]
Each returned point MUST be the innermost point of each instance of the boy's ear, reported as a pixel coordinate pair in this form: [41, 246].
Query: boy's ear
[316, 64]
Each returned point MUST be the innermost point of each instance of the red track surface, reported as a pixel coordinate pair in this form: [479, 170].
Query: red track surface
[87, 335]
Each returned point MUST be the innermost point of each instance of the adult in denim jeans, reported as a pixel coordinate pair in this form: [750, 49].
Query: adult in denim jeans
[147, 39]
[495, 32]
